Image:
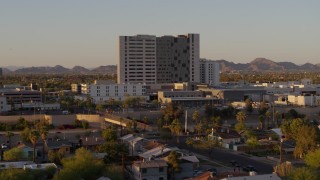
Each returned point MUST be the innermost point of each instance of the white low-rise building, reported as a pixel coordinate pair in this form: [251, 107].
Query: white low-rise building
[102, 91]
[302, 100]
[3, 104]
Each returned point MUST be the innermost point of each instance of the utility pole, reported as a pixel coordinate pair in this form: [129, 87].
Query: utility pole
[281, 141]
[123, 174]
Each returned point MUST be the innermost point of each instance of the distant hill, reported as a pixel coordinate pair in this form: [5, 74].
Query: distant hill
[110, 69]
[263, 64]
[257, 65]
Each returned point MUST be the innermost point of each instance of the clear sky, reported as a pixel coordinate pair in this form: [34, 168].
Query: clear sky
[85, 32]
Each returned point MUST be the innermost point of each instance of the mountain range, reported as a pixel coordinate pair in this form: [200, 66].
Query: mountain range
[263, 64]
[109, 69]
[257, 65]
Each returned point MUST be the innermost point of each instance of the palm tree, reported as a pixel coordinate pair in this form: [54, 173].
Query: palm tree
[34, 136]
[174, 163]
[9, 135]
[278, 116]
[241, 116]
[44, 134]
[195, 116]
[176, 128]
[198, 127]
[261, 120]
[268, 116]
[145, 122]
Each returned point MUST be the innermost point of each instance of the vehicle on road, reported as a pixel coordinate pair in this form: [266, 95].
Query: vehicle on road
[4, 146]
[213, 171]
[249, 168]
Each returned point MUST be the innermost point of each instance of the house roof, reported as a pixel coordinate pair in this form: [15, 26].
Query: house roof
[151, 144]
[92, 141]
[151, 164]
[193, 159]
[158, 151]
[226, 133]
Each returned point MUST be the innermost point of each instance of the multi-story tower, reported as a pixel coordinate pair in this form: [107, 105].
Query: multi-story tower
[167, 59]
[137, 59]
[209, 72]
[178, 58]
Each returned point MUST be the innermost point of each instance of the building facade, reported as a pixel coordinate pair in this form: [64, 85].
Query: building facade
[100, 93]
[151, 60]
[3, 104]
[209, 72]
[137, 59]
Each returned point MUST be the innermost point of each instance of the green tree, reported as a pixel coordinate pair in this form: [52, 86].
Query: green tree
[249, 107]
[304, 173]
[16, 174]
[165, 134]
[261, 121]
[216, 121]
[312, 159]
[174, 163]
[283, 170]
[240, 126]
[34, 136]
[14, 154]
[277, 115]
[159, 123]
[263, 107]
[24, 135]
[145, 122]
[85, 124]
[44, 134]
[9, 135]
[55, 156]
[196, 117]
[290, 127]
[268, 116]
[306, 140]
[241, 116]
[81, 166]
[109, 134]
[114, 150]
[176, 128]
[198, 128]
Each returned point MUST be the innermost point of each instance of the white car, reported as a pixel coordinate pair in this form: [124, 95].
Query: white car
[4, 146]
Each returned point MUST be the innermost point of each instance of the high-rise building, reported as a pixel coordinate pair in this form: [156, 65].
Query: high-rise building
[137, 59]
[1, 71]
[209, 72]
[167, 59]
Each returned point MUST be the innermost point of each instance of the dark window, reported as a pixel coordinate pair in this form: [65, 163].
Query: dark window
[161, 169]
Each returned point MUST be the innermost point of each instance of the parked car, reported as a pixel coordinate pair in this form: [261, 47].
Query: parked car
[233, 162]
[4, 146]
[249, 168]
[213, 171]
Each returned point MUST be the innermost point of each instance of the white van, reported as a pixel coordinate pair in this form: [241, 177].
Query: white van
[65, 112]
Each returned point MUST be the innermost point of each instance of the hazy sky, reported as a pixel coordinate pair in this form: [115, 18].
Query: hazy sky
[85, 32]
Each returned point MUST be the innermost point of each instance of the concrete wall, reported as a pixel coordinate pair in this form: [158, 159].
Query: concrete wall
[57, 120]
[14, 119]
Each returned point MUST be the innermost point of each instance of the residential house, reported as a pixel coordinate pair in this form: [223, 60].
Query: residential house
[149, 170]
[134, 143]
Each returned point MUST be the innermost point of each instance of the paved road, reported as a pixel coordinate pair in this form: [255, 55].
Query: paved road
[224, 156]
